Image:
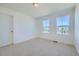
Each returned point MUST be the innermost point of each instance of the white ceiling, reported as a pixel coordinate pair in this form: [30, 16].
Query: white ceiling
[42, 10]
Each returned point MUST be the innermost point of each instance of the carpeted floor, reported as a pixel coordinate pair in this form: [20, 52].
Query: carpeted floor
[38, 47]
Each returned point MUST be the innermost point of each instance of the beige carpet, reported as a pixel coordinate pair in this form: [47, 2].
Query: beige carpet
[38, 47]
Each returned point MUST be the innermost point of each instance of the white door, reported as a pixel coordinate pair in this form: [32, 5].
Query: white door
[6, 30]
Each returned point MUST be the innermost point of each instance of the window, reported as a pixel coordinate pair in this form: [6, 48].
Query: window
[46, 25]
[62, 25]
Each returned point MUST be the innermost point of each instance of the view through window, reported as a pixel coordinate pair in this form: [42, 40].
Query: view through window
[46, 26]
[62, 25]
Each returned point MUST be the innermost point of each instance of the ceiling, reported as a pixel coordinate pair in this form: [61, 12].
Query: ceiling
[42, 10]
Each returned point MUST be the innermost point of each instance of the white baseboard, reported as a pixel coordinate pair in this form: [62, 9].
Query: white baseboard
[26, 39]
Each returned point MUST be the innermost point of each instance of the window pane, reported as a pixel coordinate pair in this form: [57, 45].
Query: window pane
[59, 30]
[62, 25]
[45, 23]
[65, 20]
[65, 30]
[46, 30]
[62, 30]
[59, 21]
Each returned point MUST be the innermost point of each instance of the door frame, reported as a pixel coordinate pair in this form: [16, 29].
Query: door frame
[12, 21]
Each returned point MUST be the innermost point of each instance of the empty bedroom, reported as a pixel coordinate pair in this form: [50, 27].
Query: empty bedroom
[39, 29]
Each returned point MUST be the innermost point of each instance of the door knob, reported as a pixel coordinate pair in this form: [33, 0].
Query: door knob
[12, 31]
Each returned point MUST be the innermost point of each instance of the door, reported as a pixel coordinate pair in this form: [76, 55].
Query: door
[6, 30]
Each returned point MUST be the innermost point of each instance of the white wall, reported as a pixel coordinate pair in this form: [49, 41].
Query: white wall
[77, 27]
[24, 26]
[69, 39]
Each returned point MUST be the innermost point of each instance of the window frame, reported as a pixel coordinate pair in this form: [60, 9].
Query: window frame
[63, 26]
[44, 27]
